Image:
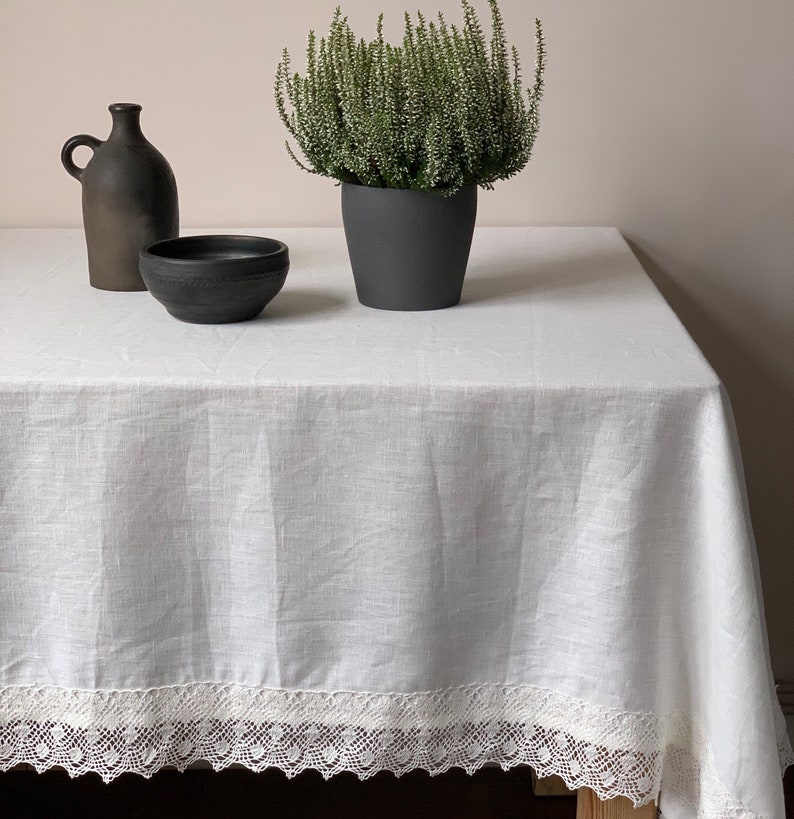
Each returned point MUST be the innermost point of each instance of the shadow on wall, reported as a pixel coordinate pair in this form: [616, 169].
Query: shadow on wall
[763, 406]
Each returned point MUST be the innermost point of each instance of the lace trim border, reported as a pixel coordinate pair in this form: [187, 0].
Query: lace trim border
[142, 731]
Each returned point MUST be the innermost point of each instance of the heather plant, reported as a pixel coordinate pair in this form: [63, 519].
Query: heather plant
[443, 109]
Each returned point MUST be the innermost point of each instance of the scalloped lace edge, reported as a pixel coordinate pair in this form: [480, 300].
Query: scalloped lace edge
[141, 731]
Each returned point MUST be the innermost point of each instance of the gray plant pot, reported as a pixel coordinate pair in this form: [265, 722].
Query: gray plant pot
[408, 249]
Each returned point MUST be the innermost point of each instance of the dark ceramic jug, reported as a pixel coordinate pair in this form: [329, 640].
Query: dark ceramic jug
[129, 199]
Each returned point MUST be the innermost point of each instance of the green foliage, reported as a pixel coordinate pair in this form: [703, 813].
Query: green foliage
[442, 110]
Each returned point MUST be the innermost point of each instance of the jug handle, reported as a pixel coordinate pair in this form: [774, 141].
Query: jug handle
[68, 149]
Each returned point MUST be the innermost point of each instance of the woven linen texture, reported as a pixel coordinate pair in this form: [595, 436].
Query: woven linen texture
[533, 502]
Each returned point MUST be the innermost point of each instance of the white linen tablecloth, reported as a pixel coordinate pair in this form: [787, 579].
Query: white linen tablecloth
[514, 531]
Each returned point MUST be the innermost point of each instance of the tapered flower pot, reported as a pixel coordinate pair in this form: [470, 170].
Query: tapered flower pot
[408, 249]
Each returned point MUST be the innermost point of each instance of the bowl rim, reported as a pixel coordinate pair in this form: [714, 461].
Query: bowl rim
[149, 252]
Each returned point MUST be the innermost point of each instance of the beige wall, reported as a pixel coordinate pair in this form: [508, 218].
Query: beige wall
[672, 120]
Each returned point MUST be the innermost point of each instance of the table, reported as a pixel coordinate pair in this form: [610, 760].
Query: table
[510, 532]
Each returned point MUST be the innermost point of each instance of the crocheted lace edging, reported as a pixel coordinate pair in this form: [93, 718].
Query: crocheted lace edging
[142, 731]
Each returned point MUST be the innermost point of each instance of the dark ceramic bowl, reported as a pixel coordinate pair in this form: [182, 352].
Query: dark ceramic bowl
[215, 279]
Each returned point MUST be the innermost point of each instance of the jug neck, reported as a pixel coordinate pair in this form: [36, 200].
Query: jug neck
[126, 122]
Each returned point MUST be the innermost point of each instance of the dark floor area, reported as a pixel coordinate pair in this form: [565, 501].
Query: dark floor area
[240, 794]
[489, 794]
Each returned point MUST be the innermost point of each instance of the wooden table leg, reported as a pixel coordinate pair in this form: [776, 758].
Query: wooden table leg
[589, 806]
